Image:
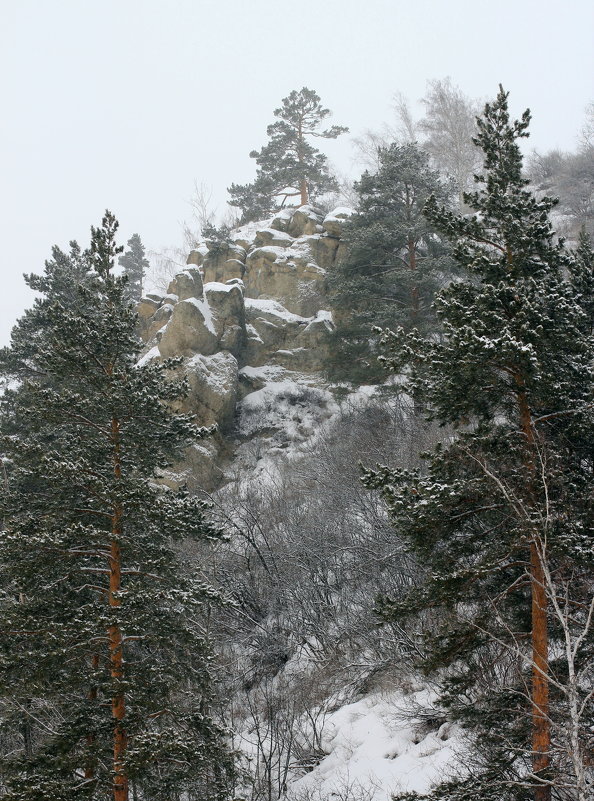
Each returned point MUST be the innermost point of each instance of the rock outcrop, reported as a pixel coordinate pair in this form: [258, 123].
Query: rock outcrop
[246, 317]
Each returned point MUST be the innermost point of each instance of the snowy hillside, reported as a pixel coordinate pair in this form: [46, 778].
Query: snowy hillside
[307, 554]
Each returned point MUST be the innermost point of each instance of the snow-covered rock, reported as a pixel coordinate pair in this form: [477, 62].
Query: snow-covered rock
[377, 747]
[270, 236]
[213, 384]
[305, 220]
[255, 302]
[186, 284]
[334, 221]
[190, 330]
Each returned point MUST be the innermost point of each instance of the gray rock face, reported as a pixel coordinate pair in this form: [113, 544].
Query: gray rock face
[213, 388]
[289, 275]
[333, 222]
[226, 304]
[226, 263]
[270, 236]
[153, 325]
[257, 316]
[305, 220]
[186, 284]
[321, 247]
[190, 330]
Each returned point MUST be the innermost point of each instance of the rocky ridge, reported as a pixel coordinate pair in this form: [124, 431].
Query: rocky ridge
[304, 660]
[248, 318]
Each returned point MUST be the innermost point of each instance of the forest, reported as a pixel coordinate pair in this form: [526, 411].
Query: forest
[311, 516]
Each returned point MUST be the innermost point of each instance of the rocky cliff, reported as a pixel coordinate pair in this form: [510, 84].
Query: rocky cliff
[323, 703]
[249, 319]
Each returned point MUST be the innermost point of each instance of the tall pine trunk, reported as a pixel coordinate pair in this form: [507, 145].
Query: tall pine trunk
[412, 263]
[116, 655]
[303, 181]
[541, 727]
[304, 192]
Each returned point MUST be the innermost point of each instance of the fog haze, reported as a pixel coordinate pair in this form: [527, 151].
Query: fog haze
[124, 105]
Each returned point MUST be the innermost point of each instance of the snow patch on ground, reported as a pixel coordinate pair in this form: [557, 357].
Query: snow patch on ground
[293, 407]
[376, 747]
[285, 417]
[215, 370]
[278, 421]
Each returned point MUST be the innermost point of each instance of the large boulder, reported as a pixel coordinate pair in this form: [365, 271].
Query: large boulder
[282, 220]
[213, 384]
[315, 334]
[190, 330]
[147, 307]
[186, 284]
[197, 256]
[226, 304]
[256, 352]
[270, 236]
[288, 275]
[305, 220]
[333, 222]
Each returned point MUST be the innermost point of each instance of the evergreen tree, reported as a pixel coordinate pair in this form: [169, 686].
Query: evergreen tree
[289, 166]
[394, 261]
[104, 671]
[501, 517]
[135, 266]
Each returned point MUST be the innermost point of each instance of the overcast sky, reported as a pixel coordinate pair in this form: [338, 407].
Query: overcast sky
[124, 104]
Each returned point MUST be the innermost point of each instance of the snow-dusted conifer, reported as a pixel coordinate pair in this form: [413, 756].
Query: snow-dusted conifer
[501, 516]
[135, 266]
[289, 166]
[394, 261]
[104, 671]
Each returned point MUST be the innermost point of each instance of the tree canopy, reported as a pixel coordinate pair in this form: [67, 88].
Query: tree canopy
[289, 166]
[500, 517]
[104, 668]
[393, 263]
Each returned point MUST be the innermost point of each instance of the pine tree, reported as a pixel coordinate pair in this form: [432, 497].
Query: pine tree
[501, 517]
[289, 166]
[135, 266]
[104, 670]
[394, 261]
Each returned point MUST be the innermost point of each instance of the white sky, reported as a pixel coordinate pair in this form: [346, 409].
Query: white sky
[125, 103]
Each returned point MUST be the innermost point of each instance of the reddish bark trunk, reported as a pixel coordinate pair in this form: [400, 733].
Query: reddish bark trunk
[412, 263]
[304, 192]
[541, 727]
[116, 654]
[303, 182]
[541, 730]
